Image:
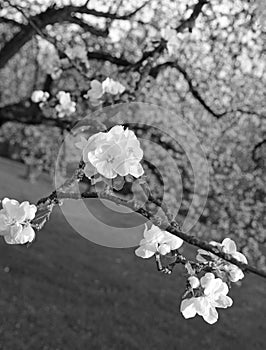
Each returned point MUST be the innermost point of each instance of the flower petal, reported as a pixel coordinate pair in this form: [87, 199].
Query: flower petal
[223, 302]
[187, 308]
[173, 241]
[153, 234]
[13, 209]
[235, 273]
[207, 279]
[144, 253]
[14, 232]
[30, 210]
[104, 168]
[27, 235]
[229, 246]
[211, 315]
[164, 249]
[136, 170]
[240, 257]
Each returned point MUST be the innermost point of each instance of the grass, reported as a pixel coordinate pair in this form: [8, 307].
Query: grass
[64, 292]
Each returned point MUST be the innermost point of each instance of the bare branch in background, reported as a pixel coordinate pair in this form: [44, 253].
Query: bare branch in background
[51, 16]
[155, 71]
[10, 21]
[190, 22]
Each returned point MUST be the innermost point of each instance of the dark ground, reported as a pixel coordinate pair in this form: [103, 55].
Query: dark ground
[65, 293]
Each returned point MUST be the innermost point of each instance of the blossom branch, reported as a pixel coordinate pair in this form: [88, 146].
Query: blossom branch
[172, 227]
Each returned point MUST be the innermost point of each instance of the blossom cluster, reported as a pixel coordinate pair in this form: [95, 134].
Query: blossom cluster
[98, 89]
[210, 291]
[66, 106]
[212, 294]
[227, 246]
[15, 220]
[112, 153]
[157, 241]
[39, 96]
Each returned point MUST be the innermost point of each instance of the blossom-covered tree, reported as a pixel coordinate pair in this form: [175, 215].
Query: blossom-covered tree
[63, 63]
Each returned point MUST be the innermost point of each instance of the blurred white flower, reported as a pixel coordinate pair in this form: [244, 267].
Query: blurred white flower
[15, 221]
[228, 246]
[95, 93]
[39, 96]
[112, 87]
[66, 106]
[214, 296]
[116, 152]
[98, 89]
[157, 241]
[170, 36]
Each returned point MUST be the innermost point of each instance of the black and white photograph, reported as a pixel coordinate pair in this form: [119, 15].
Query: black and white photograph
[132, 174]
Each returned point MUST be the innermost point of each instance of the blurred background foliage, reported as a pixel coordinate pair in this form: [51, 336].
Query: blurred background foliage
[218, 91]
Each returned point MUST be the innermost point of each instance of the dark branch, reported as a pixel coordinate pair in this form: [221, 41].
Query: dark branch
[155, 71]
[105, 56]
[52, 16]
[10, 21]
[87, 27]
[29, 113]
[190, 22]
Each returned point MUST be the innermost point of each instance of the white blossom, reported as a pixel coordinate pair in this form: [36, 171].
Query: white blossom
[39, 96]
[112, 153]
[98, 89]
[170, 36]
[66, 106]
[112, 87]
[15, 220]
[157, 241]
[214, 296]
[228, 246]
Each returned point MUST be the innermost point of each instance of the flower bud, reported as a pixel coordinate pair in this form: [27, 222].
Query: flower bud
[194, 282]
